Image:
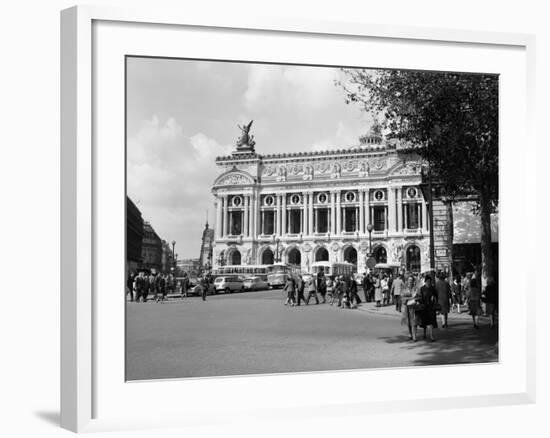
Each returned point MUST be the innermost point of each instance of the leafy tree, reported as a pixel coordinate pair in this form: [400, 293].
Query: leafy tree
[450, 120]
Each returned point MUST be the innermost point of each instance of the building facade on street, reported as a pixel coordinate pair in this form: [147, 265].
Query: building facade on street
[151, 251]
[304, 207]
[134, 236]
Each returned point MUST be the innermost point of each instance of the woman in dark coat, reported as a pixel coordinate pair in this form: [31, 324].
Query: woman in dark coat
[427, 297]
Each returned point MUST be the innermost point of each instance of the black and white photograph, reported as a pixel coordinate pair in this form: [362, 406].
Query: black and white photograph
[289, 218]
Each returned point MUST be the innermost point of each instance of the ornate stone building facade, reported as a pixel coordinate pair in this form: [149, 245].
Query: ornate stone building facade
[304, 207]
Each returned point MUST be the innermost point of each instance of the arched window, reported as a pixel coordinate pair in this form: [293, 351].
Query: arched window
[235, 258]
[267, 257]
[294, 257]
[321, 255]
[413, 258]
[380, 255]
[350, 255]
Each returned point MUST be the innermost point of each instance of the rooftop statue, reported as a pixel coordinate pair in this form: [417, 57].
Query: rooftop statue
[246, 141]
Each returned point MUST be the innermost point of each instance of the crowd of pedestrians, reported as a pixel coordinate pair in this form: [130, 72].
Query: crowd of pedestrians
[144, 285]
[340, 290]
[421, 300]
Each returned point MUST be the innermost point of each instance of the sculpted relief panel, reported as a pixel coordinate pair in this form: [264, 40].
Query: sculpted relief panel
[234, 179]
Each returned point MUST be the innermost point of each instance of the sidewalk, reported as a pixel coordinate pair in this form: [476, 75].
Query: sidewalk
[390, 311]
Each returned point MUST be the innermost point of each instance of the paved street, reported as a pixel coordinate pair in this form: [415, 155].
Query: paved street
[254, 333]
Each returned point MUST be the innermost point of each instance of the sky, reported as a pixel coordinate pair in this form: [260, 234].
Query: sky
[182, 114]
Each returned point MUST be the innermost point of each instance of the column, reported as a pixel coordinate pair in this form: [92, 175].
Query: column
[344, 215]
[367, 209]
[362, 211]
[406, 217]
[225, 217]
[391, 210]
[303, 212]
[254, 223]
[246, 215]
[357, 225]
[338, 214]
[310, 214]
[219, 220]
[332, 213]
[400, 209]
[285, 227]
[424, 216]
[278, 216]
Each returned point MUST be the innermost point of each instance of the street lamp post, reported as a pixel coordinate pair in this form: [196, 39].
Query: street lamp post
[174, 253]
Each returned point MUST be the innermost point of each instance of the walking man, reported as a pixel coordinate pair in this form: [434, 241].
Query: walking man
[300, 290]
[130, 285]
[396, 291]
[322, 285]
[354, 296]
[184, 285]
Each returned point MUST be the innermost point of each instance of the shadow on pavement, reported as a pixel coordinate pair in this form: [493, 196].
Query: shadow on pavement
[458, 344]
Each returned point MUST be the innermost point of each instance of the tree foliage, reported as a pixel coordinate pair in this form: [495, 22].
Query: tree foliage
[449, 119]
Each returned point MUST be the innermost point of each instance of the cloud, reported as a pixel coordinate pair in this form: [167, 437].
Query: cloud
[169, 176]
[342, 137]
[275, 87]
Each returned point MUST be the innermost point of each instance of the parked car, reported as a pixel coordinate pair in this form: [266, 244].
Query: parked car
[228, 284]
[255, 283]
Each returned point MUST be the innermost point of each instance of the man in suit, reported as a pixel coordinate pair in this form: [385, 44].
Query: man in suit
[300, 290]
[322, 285]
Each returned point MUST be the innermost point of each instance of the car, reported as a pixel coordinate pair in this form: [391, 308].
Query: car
[255, 283]
[228, 284]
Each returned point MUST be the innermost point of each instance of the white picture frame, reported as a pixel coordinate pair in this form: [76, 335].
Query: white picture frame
[81, 368]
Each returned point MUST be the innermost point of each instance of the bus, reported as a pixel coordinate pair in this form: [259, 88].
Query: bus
[333, 268]
[243, 271]
[278, 273]
[392, 269]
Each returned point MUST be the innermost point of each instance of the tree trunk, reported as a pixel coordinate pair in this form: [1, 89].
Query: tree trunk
[487, 261]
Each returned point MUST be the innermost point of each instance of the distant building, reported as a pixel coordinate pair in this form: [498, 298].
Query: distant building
[151, 251]
[190, 266]
[205, 258]
[134, 236]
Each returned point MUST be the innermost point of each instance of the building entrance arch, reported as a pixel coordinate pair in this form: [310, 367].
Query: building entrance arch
[350, 255]
[321, 255]
[380, 254]
[294, 257]
[234, 258]
[267, 257]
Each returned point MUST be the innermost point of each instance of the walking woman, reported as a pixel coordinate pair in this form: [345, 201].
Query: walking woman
[474, 297]
[427, 297]
[443, 289]
[408, 316]
[289, 289]
[378, 289]
[330, 290]
[311, 290]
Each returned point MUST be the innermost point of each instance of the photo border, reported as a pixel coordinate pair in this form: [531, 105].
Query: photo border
[78, 198]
